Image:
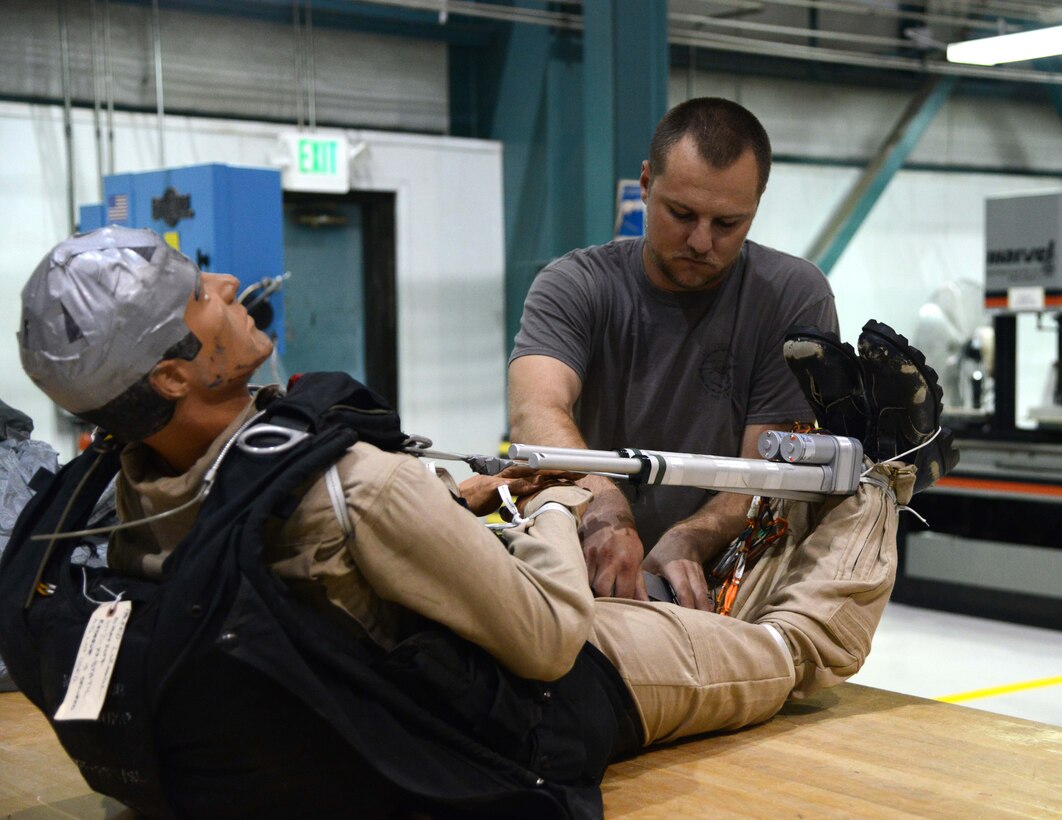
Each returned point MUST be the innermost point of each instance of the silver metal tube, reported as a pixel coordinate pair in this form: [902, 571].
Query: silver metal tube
[297, 37]
[311, 69]
[806, 482]
[521, 452]
[68, 128]
[737, 475]
[158, 82]
[585, 463]
[109, 72]
[96, 96]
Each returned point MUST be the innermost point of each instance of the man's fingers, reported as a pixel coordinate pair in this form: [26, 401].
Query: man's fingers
[602, 577]
[640, 593]
[687, 579]
[627, 581]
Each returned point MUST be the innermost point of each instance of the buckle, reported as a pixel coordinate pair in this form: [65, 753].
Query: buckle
[289, 438]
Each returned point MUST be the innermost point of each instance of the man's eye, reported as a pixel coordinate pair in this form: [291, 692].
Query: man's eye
[727, 223]
[683, 215]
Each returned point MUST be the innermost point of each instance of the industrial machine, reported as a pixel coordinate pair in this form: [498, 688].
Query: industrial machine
[993, 548]
[227, 219]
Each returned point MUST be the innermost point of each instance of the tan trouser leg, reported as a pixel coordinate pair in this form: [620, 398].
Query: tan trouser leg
[826, 586]
[691, 671]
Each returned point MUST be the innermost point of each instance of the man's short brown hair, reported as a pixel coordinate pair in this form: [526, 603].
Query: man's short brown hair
[722, 131]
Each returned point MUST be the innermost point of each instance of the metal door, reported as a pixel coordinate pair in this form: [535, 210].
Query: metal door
[325, 296]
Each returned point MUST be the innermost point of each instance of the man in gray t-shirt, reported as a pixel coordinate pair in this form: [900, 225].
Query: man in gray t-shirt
[673, 343]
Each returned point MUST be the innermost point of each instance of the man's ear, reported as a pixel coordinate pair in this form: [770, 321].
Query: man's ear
[169, 380]
[644, 180]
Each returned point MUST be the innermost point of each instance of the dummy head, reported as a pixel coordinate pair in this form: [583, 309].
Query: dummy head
[100, 311]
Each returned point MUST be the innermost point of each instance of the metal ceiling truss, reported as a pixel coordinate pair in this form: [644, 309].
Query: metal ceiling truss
[893, 35]
[881, 34]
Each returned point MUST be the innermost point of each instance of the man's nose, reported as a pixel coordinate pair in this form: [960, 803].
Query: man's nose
[700, 238]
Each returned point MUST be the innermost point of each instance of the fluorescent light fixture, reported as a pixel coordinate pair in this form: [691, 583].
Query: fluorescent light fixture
[1008, 48]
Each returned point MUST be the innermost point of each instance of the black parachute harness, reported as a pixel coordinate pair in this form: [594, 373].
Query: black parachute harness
[436, 717]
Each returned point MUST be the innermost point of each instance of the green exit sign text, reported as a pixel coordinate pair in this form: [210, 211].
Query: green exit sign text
[317, 156]
[314, 161]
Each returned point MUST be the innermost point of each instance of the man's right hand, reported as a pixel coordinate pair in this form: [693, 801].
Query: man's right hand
[542, 395]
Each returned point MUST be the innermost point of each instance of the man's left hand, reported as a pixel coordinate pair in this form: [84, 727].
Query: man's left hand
[676, 557]
[480, 492]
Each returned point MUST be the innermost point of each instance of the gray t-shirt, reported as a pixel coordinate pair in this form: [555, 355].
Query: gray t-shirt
[682, 372]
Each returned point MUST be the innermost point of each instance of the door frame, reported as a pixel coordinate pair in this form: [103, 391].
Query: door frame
[380, 297]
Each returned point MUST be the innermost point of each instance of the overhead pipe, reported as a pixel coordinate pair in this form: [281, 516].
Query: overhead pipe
[108, 70]
[899, 12]
[744, 45]
[297, 36]
[158, 82]
[311, 68]
[682, 33]
[700, 20]
[96, 96]
[68, 130]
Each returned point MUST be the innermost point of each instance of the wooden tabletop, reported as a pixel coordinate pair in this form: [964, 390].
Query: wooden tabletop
[849, 752]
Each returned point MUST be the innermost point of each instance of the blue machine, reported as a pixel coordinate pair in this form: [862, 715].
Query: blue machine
[227, 219]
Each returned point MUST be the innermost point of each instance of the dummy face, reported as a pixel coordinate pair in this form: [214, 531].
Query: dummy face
[233, 347]
[697, 218]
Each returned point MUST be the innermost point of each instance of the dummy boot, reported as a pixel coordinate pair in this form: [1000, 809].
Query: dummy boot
[904, 401]
[831, 376]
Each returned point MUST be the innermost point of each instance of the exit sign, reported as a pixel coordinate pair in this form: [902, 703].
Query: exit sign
[314, 161]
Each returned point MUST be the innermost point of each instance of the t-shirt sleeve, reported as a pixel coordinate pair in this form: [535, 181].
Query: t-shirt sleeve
[557, 320]
[804, 299]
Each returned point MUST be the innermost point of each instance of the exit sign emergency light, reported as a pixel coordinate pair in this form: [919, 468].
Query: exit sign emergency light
[314, 161]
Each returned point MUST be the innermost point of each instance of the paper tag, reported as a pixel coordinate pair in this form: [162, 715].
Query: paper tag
[95, 662]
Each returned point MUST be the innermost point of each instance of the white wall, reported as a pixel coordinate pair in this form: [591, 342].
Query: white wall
[927, 229]
[449, 254]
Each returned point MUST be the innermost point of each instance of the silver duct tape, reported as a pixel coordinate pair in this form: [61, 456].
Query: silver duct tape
[99, 311]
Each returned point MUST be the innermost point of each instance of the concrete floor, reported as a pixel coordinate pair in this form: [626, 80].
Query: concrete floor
[983, 664]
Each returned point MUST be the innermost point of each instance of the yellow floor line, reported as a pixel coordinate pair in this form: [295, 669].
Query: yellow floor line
[1000, 690]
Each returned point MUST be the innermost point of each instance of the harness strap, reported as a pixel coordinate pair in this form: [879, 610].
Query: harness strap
[339, 501]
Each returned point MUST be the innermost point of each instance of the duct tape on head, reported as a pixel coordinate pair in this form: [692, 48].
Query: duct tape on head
[100, 310]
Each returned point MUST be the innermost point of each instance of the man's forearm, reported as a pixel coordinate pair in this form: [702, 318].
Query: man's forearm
[552, 427]
[706, 533]
[556, 428]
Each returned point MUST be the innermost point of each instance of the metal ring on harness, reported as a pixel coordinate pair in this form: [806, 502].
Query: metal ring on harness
[291, 438]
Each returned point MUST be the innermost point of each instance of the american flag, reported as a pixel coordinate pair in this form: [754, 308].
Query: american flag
[117, 208]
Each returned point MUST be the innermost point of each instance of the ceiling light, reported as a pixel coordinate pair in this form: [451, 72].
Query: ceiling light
[1008, 48]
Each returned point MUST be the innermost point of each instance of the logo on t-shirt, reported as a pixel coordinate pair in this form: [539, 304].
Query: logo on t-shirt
[717, 371]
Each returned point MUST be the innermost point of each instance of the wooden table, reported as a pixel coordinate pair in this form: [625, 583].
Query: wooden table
[849, 752]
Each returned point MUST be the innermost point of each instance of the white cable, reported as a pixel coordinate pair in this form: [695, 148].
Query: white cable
[204, 491]
[901, 455]
[517, 519]
[84, 591]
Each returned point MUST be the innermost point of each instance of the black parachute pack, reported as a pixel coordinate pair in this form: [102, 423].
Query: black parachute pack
[231, 699]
